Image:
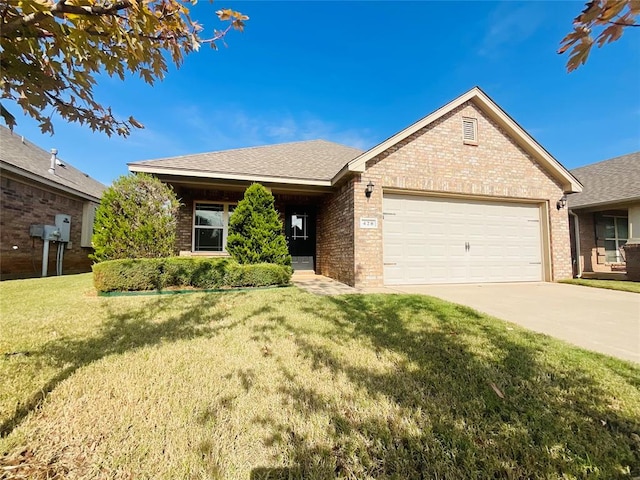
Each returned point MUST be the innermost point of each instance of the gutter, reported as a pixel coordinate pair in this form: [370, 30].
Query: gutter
[576, 237]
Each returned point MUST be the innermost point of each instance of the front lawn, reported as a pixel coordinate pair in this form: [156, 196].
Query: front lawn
[281, 384]
[608, 284]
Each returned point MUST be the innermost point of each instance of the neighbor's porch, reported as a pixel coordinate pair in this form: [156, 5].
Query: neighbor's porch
[598, 238]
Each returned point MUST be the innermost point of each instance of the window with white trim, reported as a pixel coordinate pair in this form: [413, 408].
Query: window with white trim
[614, 232]
[211, 226]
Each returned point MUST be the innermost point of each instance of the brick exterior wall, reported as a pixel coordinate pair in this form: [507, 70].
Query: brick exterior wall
[336, 234]
[25, 202]
[435, 159]
[632, 252]
[588, 250]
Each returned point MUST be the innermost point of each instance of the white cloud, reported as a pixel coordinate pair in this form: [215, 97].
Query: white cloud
[230, 127]
[510, 24]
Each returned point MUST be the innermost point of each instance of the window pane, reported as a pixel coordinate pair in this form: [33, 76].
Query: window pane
[208, 239]
[299, 226]
[608, 227]
[611, 251]
[623, 227]
[209, 214]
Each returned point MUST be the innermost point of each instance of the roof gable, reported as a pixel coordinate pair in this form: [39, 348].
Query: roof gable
[607, 182]
[493, 111]
[29, 160]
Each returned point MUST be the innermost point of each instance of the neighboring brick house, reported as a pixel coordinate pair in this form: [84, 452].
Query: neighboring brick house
[35, 186]
[462, 195]
[605, 216]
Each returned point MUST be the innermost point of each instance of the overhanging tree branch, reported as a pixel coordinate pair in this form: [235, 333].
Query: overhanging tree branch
[51, 53]
[59, 10]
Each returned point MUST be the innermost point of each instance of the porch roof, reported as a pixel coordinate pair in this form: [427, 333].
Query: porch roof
[611, 181]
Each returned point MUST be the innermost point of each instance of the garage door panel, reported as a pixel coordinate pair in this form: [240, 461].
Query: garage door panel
[425, 241]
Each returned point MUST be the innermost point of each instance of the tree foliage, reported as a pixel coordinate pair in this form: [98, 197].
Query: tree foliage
[136, 219]
[255, 230]
[603, 19]
[52, 51]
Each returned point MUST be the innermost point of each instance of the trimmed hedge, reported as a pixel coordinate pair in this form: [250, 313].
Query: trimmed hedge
[158, 273]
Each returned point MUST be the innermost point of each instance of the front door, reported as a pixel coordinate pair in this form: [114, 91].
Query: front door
[300, 230]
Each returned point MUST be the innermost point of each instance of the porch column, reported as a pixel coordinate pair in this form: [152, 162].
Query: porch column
[634, 224]
[632, 248]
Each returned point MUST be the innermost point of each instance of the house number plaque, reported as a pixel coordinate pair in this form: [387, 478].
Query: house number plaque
[368, 223]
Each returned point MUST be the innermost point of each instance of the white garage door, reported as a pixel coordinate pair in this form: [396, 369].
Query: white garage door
[443, 240]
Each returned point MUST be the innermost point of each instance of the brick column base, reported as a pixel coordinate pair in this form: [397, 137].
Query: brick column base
[632, 253]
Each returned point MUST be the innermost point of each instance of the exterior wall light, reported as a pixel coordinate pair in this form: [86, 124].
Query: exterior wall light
[369, 190]
[560, 204]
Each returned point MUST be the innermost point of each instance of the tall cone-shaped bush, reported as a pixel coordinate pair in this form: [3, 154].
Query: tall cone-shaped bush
[255, 230]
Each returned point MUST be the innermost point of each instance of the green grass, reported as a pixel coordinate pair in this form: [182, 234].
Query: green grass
[281, 384]
[608, 284]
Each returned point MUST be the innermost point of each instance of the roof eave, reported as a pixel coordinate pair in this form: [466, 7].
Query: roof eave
[618, 201]
[45, 181]
[228, 176]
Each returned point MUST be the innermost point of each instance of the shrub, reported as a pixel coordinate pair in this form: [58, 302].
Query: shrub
[136, 219]
[158, 273]
[128, 274]
[255, 230]
[258, 275]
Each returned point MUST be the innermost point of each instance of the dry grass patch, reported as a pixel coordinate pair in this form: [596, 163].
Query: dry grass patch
[283, 384]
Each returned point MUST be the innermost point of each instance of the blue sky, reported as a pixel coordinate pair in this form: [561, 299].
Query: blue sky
[356, 73]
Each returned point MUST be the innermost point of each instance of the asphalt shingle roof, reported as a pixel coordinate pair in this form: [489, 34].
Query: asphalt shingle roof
[20, 153]
[609, 181]
[311, 160]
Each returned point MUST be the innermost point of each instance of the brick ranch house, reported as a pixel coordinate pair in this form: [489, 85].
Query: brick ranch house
[462, 195]
[605, 216]
[34, 188]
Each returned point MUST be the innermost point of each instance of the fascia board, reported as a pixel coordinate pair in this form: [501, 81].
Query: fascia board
[227, 176]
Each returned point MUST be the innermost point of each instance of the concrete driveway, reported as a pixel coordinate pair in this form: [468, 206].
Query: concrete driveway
[605, 321]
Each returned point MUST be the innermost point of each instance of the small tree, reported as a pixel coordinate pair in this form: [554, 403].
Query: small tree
[255, 230]
[136, 219]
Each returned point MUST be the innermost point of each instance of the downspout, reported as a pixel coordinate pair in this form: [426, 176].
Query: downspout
[576, 238]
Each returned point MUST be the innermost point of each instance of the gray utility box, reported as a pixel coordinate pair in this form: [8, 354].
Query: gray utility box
[45, 232]
[63, 222]
[36, 231]
[51, 232]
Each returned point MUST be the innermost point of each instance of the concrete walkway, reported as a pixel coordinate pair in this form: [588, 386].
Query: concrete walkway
[320, 285]
[605, 321]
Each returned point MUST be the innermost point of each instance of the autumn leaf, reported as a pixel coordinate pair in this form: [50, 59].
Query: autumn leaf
[9, 119]
[606, 19]
[610, 34]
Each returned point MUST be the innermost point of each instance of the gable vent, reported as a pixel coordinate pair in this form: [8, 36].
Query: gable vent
[470, 131]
